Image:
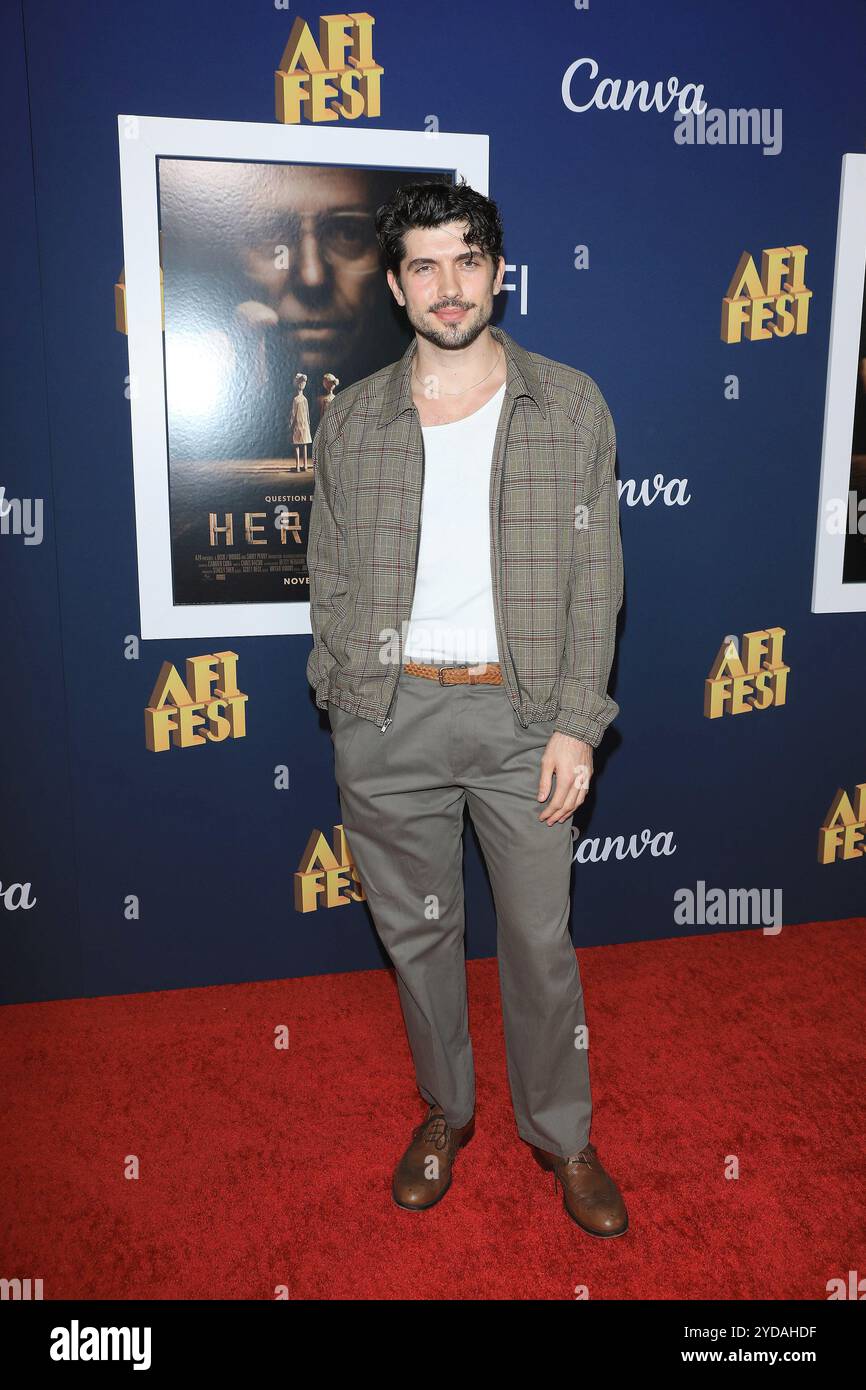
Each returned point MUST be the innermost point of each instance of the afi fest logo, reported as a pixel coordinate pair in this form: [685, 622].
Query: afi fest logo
[336, 77]
[841, 831]
[327, 874]
[209, 700]
[756, 680]
[779, 293]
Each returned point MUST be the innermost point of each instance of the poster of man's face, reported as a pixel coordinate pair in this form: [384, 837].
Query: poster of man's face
[253, 292]
[275, 300]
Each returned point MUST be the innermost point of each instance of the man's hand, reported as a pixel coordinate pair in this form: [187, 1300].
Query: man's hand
[571, 760]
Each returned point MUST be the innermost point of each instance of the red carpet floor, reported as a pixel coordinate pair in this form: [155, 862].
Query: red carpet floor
[262, 1167]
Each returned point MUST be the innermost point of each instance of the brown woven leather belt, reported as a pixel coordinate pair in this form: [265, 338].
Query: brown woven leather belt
[473, 673]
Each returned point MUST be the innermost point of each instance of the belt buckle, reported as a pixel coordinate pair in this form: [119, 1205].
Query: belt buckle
[473, 677]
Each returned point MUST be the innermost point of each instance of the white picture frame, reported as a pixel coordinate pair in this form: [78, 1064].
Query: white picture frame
[141, 140]
[829, 593]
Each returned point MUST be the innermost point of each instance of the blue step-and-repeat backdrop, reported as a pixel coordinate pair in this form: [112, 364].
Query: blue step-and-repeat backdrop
[190, 279]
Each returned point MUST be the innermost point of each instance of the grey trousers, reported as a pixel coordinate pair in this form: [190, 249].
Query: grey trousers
[402, 794]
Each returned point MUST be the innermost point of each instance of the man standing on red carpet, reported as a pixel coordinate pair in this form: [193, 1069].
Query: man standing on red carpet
[465, 579]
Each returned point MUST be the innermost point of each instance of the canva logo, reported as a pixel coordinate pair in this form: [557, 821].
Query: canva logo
[21, 516]
[15, 895]
[591, 851]
[673, 491]
[608, 95]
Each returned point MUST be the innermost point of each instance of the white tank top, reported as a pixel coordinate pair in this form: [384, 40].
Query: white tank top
[452, 612]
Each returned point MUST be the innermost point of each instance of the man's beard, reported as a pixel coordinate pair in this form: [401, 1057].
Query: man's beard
[455, 335]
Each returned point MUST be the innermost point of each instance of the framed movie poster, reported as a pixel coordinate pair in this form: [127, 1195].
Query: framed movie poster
[839, 584]
[255, 293]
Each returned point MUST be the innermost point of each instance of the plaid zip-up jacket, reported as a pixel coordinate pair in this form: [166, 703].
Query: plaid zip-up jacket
[555, 548]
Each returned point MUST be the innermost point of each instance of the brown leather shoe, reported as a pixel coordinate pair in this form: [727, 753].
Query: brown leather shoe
[423, 1175]
[590, 1195]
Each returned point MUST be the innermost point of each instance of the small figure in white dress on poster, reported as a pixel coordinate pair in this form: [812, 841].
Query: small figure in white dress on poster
[301, 422]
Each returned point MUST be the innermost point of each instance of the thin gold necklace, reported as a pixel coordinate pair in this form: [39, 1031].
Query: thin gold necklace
[466, 388]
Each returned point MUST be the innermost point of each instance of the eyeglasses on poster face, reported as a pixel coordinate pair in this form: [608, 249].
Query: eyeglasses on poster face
[346, 240]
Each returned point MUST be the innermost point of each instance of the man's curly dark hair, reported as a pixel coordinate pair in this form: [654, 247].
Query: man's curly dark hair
[431, 205]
